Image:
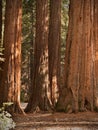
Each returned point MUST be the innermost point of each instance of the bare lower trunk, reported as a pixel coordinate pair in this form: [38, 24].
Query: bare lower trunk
[96, 48]
[80, 79]
[54, 49]
[39, 92]
[10, 83]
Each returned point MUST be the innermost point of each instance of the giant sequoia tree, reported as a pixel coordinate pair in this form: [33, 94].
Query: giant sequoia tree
[10, 84]
[79, 92]
[54, 48]
[96, 43]
[39, 97]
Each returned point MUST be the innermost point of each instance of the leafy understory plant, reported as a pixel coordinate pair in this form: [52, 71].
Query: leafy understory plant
[6, 121]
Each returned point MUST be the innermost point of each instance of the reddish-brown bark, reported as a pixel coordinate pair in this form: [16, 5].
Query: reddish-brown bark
[54, 49]
[95, 26]
[80, 78]
[39, 97]
[10, 84]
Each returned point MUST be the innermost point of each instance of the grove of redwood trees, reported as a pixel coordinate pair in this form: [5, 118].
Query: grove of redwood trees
[79, 92]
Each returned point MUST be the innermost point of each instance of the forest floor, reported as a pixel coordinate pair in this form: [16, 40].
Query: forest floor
[57, 121]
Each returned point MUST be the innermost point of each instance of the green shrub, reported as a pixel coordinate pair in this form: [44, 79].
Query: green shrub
[6, 121]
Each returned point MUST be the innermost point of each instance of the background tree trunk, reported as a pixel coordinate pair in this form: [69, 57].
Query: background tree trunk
[54, 49]
[39, 97]
[32, 49]
[80, 85]
[12, 43]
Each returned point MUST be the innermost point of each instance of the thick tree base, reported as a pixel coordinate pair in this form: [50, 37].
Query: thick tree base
[69, 103]
[38, 107]
[15, 109]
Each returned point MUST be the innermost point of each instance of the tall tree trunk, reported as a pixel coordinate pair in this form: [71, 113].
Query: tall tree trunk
[54, 49]
[12, 43]
[32, 47]
[39, 97]
[96, 45]
[80, 80]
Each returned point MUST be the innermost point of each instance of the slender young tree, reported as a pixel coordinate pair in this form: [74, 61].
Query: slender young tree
[10, 84]
[54, 48]
[39, 97]
[28, 29]
[79, 92]
[31, 59]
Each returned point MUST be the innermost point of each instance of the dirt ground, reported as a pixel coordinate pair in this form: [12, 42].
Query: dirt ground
[39, 120]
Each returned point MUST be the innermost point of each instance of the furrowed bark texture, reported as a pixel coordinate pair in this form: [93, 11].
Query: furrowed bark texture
[54, 49]
[80, 78]
[39, 95]
[96, 47]
[10, 84]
